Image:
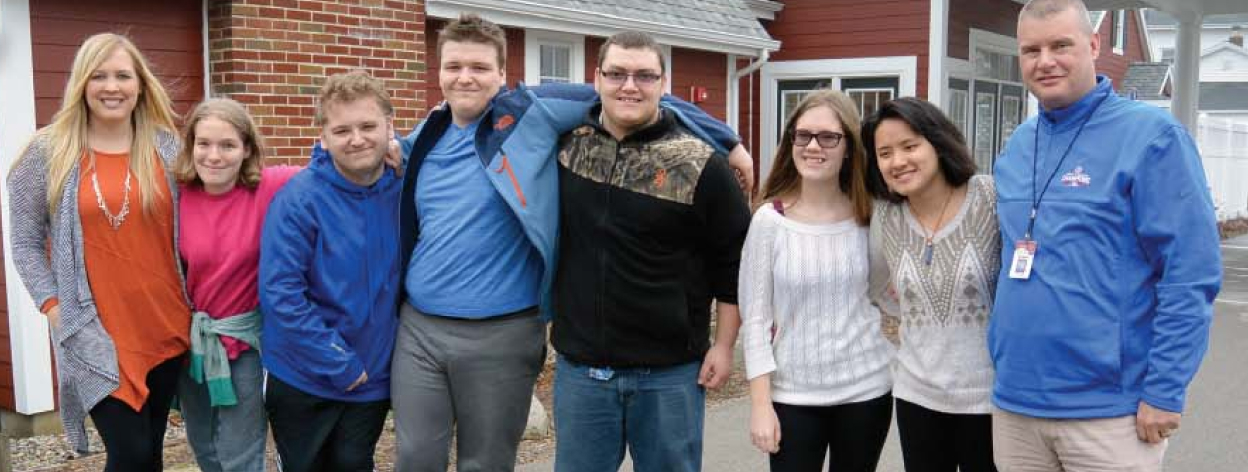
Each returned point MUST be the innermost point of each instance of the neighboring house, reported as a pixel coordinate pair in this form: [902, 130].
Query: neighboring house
[1223, 82]
[1223, 62]
[1163, 31]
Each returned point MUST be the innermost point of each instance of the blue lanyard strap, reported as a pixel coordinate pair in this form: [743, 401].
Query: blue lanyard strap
[1035, 157]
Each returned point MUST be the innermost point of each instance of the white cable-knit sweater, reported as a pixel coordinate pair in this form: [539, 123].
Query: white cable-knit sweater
[811, 282]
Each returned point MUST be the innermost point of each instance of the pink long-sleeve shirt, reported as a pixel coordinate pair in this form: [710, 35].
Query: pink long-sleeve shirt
[220, 246]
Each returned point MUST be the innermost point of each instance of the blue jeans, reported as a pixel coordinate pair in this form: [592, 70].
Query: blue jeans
[227, 438]
[656, 412]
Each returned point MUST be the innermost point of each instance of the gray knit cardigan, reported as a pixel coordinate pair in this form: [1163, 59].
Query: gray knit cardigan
[86, 358]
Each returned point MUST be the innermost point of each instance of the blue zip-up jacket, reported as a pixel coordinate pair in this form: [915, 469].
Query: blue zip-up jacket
[517, 141]
[329, 276]
[1120, 298]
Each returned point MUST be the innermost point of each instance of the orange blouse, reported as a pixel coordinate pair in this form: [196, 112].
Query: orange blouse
[133, 273]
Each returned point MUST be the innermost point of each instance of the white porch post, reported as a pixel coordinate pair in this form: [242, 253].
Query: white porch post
[1186, 72]
[28, 329]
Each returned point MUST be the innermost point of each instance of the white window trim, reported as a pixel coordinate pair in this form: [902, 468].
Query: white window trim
[533, 41]
[667, 59]
[207, 48]
[903, 67]
[1119, 31]
[994, 42]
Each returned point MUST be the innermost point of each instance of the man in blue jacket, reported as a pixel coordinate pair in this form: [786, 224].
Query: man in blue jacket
[1109, 269]
[478, 229]
[329, 272]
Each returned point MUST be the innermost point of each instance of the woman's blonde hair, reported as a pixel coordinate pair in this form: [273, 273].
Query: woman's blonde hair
[784, 179]
[66, 135]
[234, 114]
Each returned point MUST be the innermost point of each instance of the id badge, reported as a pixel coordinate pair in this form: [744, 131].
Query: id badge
[1024, 256]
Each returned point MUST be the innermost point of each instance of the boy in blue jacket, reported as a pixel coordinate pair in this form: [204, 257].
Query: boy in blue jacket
[329, 272]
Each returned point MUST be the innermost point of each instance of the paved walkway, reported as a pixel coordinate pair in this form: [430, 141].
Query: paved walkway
[1213, 437]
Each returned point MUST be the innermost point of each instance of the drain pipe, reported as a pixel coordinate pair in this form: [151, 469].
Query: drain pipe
[750, 68]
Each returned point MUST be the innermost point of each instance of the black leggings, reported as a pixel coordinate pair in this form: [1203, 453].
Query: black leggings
[851, 435]
[134, 441]
[932, 441]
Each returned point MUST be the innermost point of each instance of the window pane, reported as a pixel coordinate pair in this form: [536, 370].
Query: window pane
[957, 109]
[556, 63]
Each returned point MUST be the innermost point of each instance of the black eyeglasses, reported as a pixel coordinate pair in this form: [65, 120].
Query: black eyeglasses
[827, 139]
[615, 77]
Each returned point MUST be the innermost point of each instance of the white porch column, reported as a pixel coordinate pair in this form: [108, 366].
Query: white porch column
[1186, 71]
[28, 329]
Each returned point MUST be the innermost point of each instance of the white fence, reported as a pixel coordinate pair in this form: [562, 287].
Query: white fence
[1224, 147]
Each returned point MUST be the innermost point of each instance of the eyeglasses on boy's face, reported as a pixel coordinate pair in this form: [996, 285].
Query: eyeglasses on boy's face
[827, 139]
[641, 78]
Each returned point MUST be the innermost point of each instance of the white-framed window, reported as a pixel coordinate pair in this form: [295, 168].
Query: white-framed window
[778, 77]
[1120, 31]
[869, 99]
[551, 57]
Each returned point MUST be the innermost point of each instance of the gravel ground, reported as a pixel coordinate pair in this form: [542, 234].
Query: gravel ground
[51, 453]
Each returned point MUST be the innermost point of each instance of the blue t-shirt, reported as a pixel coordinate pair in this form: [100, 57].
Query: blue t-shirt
[472, 259]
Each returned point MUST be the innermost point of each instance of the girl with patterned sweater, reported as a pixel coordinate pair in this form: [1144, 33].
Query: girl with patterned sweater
[935, 231]
[817, 361]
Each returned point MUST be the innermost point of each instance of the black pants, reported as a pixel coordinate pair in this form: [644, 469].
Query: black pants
[932, 441]
[134, 441]
[315, 434]
[851, 435]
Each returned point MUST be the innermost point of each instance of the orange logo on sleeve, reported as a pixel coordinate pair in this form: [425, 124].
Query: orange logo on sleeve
[504, 122]
[660, 178]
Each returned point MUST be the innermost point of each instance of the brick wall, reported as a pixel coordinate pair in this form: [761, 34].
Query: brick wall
[274, 55]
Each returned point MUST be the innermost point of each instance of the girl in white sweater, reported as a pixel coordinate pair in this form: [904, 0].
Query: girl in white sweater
[816, 359]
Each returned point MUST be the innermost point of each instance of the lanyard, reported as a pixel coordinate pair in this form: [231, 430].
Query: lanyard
[1035, 157]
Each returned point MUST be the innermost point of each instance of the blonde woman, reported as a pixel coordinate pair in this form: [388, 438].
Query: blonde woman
[94, 183]
[817, 361]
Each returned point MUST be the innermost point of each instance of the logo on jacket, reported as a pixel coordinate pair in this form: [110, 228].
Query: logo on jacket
[504, 122]
[1076, 178]
[660, 178]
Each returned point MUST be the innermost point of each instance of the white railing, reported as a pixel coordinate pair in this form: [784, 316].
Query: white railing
[1224, 147]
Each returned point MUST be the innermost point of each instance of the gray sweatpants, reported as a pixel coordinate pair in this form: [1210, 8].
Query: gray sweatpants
[476, 375]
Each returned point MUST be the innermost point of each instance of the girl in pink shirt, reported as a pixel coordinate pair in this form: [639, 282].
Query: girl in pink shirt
[225, 194]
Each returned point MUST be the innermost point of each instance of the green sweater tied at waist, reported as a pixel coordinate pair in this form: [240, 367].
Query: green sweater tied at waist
[208, 358]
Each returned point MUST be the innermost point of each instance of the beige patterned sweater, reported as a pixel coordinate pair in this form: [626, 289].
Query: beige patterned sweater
[942, 363]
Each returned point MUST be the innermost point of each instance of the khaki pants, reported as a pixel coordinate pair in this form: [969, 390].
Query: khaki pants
[1027, 444]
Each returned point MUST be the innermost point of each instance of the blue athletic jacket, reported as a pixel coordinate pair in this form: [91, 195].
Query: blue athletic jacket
[328, 278]
[517, 141]
[1120, 298]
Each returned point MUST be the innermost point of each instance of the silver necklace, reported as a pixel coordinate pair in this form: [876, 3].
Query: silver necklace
[113, 220]
[928, 245]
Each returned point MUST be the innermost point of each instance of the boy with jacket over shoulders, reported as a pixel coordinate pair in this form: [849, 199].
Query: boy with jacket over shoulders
[478, 226]
[329, 271]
